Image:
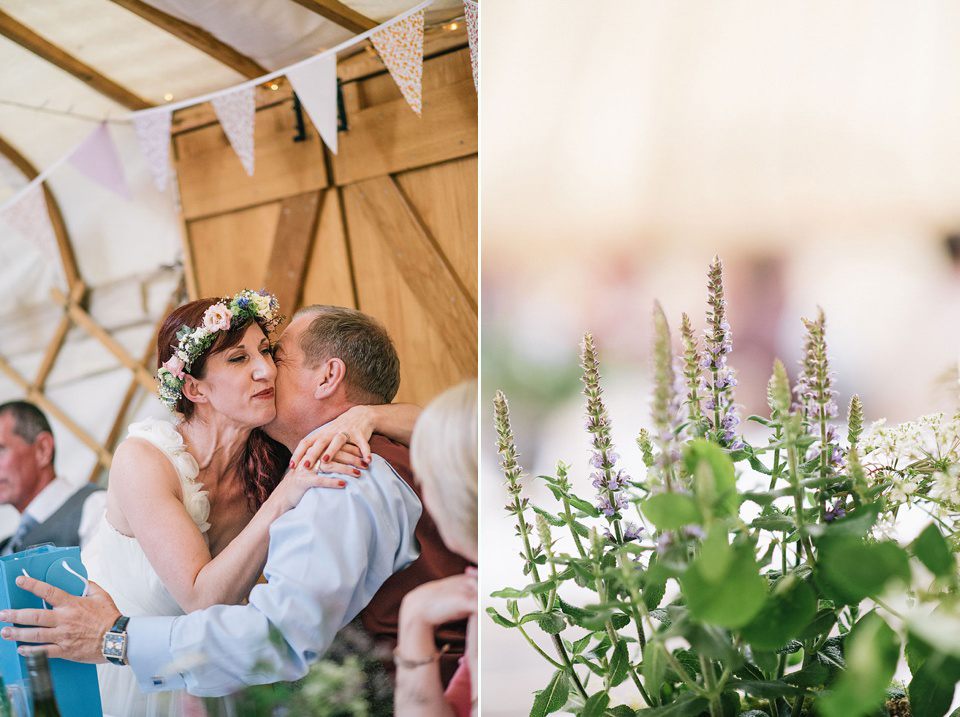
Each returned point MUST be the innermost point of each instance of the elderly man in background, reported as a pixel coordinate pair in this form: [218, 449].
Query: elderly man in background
[52, 510]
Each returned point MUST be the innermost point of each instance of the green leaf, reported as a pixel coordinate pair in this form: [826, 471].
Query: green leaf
[932, 550]
[577, 614]
[580, 504]
[731, 600]
[687, 705]
[715, 552]
[813, 675]
[774, 521]
[871, 653]
[596, 705]
[541, 587]
[619, 662]
[821, 624]
[854, 568]
[789, 608]
[765, 689]
[671, 511]
[553, 697]
[717, 486]
[580, 644]
[552, 623]
[758, 466]
[622, 711]
[620, 620]
[510, 593]
[654, 667]
[931, 691]
[550, 517]
[653, 592]
[500, 619]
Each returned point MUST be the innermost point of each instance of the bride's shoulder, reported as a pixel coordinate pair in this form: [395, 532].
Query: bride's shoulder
[139, 459]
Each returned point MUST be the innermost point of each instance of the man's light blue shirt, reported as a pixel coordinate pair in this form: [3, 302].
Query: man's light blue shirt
[327, 559]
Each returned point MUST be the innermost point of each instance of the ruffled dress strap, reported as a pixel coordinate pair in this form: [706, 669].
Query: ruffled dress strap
[164, 436]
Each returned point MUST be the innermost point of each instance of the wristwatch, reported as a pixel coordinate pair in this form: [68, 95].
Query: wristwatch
[115, 641]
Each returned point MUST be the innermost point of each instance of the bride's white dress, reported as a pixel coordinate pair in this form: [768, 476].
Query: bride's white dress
[118, 564]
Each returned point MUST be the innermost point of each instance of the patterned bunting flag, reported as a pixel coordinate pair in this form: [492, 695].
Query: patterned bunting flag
[29, 216]
[97, 158]
[473, 25]
[401, 48]
[316, 85]
[153, 131]
[236, 111]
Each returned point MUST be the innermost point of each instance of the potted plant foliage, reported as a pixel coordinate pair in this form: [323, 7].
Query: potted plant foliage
[672, 592]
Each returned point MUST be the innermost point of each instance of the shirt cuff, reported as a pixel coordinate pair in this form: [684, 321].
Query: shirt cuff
[148, 654]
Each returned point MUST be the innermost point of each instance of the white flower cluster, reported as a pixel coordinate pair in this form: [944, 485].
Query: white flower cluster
[922, 455]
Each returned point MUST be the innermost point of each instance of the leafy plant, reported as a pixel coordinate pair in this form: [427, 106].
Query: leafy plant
[779, 610]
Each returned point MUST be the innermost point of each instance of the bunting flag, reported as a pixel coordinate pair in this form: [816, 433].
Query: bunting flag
[316, 85]
[236, 111]
[153, 131]
[29, 216]
[473, 20]
[401, 48]
[97, 158]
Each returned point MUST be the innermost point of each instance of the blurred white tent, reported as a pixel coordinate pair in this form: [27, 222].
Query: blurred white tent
[84, 352]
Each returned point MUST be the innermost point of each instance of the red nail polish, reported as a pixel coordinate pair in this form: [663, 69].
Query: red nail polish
[342, 483]
[292, 464]
[306, 464]
[326, 459]
[356, 472]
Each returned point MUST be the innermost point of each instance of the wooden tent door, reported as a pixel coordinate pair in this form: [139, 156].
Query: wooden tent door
[387, 225]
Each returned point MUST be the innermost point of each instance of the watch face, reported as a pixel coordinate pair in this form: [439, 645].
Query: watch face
[113, 644]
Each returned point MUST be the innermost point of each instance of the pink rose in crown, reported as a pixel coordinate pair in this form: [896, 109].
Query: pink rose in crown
[217, 318]
[174, 365]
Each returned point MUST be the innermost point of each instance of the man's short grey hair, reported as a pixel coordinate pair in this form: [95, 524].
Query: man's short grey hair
[361, 342]
[28, 420]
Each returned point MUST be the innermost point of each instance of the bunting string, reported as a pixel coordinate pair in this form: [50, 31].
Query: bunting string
[398, 40]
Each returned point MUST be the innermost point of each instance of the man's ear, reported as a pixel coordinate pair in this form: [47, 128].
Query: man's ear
[330, 375]
[43, 448]
[193, 390]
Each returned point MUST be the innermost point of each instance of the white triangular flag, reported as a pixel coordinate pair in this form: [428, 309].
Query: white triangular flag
[473, 26]
[97, 158]
[29, 216]
[401, 48]
[236, 111]
[316, 85]
[153, 131]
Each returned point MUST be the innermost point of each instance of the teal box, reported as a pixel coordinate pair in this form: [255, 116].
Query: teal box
[74, 683]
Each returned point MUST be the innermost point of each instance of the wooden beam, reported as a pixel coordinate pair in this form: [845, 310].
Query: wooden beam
[115, 430]
[82, 319]
[67, 259]
[340, 14]
[28, 39]
[290, 254]
[380, 205]
[46, 404]
[197, 37]
[56, 343]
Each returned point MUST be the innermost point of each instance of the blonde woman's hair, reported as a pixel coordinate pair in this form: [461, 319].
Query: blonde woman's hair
[443, 452]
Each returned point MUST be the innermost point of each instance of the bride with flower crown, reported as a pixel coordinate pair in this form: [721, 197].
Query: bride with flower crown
[189, 504]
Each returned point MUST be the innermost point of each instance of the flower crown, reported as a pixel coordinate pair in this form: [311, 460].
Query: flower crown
[246, 306]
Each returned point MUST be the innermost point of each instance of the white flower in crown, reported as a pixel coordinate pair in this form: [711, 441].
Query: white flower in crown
[261, 302]
[217, 318]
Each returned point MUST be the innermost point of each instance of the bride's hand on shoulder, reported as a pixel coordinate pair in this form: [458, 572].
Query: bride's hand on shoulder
[297, 482]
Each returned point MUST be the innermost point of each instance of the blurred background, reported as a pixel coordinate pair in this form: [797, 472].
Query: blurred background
[815, 147]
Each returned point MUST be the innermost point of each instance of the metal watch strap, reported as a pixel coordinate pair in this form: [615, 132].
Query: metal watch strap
[119, 627]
